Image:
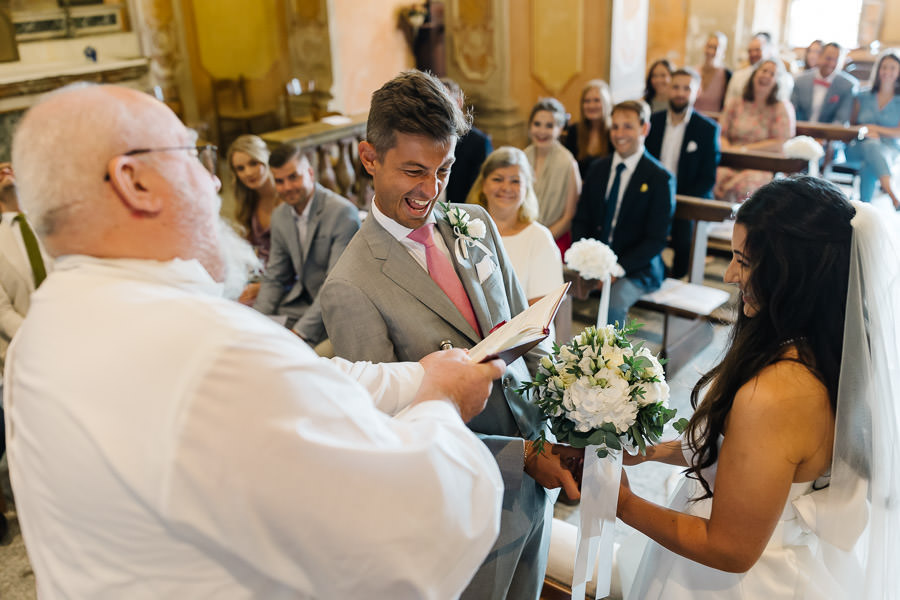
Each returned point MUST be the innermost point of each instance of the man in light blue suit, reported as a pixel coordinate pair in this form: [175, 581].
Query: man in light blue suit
[825, 94]
[310, 230]
[384, 302]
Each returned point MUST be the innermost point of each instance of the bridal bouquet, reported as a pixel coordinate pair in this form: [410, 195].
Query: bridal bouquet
[600, 390]
[593, 260]
[602, 393]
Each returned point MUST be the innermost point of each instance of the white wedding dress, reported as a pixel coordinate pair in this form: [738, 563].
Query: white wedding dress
[784, 567]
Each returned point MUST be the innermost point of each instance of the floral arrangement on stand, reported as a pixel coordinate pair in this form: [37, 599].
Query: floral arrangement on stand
[592, 261]
[603, 393]
[807, 148]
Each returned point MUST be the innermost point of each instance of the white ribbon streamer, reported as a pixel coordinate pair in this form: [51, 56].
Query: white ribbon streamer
[599, 497]
[463, 243]
[603, 309]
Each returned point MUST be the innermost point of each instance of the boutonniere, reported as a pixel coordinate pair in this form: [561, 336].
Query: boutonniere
[834, 99]
[691, 146]
[467, 231]
[643, 187]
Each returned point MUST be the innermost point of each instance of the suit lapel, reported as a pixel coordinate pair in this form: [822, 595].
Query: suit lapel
[401, 268]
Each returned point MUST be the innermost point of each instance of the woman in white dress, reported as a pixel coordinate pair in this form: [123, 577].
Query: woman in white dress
[758, 516]
[504, 188]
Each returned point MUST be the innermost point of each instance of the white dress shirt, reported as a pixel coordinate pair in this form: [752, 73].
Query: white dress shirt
[818, 94]
[168, 443]
[400, 233]
[673, 136]
[630, 165]
[302, 222]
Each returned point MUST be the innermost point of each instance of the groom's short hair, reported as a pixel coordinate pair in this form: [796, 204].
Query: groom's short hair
[414, 103]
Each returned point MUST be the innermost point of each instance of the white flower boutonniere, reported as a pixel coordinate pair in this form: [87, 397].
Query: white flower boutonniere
[467, 231]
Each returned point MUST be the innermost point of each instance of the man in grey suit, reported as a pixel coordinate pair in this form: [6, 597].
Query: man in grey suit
[310, 230]
[825, 94]
[381, 303]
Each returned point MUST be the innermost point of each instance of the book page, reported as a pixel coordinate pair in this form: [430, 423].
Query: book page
[530, 325]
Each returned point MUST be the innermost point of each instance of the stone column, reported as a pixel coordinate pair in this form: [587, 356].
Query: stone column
[155, 23]
[309, 42]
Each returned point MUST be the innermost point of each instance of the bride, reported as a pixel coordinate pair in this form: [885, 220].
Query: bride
[792, 461]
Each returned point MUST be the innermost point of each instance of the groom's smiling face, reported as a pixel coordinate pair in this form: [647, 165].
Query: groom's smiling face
[409, 177]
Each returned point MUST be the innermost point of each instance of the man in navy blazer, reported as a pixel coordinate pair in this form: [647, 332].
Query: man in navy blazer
[687, 144]
[627, 202]
[825, 94]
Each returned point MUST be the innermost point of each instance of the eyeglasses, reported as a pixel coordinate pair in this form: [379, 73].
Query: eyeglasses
[206, 154]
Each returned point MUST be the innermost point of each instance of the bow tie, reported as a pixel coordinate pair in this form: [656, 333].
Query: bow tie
[824, 82]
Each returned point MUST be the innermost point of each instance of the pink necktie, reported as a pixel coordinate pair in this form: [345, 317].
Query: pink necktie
[443, 274]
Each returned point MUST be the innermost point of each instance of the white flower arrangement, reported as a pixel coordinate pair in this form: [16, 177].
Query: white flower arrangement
[593, 260]
[600, 390]
[803, 147]
[468, 231]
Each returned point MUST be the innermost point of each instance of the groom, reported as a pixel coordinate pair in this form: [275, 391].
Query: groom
[400, 291]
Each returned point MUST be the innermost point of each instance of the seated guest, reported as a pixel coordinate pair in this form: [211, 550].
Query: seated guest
[825, 93]
[759, 48]
[878, 108]
[756, 120]
[687, 144]
[812, 54]
[656, 88]
[588, 138]
[310, 230]
[171, 443]
[628, 202]
[714, 75]
[471, 150]
[504, 188]
[256, 198]
[557, 180]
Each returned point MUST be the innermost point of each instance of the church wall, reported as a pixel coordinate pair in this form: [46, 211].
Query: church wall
[369, 49]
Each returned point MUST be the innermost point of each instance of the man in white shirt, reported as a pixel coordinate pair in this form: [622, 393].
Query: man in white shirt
[168, 443]
[825, 94]
[310, 229]
[759, 48]
[627, 202]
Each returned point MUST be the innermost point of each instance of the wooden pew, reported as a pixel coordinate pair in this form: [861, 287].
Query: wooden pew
[762, 160]
[686, 306]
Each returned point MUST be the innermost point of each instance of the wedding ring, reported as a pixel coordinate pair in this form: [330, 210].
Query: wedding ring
[446, 344]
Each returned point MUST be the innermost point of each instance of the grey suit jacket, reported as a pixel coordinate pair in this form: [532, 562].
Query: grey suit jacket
[294, 274]
[16, 284]
[380, 305]
[838, 101]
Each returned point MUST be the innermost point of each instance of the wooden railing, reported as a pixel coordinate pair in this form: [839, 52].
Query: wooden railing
[333, 143]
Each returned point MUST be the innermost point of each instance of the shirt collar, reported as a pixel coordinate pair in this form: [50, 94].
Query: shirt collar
[187, 275]
[630, 162]
[829, 79]
[393, 227]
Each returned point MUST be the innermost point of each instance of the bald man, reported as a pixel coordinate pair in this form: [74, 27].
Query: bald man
[169, 443]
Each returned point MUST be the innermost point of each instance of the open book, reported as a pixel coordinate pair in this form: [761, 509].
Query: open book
[521, 333]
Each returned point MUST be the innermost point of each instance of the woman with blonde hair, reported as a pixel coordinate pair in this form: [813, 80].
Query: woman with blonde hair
[254, 190]
[504, 188]
[714, 77]
[588, 138]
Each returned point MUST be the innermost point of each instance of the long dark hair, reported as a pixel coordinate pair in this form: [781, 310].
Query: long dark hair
[894, 54]
[798, 247]
[750, 94]
[649, 91]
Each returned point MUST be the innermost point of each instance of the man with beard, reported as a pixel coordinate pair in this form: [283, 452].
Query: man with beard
[687, 144]
[166, 442]
[310, 230]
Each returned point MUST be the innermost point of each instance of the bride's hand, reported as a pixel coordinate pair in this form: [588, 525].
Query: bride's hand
[629, 459]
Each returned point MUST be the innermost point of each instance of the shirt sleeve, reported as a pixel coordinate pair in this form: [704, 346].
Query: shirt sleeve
[392, 386]
[284, 461]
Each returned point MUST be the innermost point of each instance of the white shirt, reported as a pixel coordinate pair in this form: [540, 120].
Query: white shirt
[302, 222]
[630, 165]
[168, 443]
[673, 136]
[535, 259]
[818, 94]
[400, 233]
